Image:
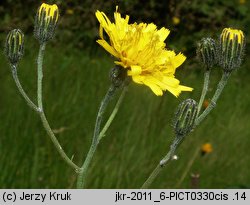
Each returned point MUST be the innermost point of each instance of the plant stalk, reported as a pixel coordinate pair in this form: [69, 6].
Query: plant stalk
[204, 90]
[216, 96]
[81, 180]
[163, 162]
[21, 90]
[113, 114]
[42, 114]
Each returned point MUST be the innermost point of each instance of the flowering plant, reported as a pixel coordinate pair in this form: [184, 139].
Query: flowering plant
[142, 57]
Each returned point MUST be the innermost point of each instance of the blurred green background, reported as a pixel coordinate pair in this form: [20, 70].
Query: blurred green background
[76, 78]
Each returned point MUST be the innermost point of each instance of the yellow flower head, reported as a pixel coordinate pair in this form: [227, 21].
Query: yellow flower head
[232, 34]
[46, 22]
[140, 49]
[48, 13]
[206, 148]
[232, 44]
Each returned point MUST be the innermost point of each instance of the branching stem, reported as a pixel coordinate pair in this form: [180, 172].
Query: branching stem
[113, 114]
[21, 90]
[216, 96]
[42, 114]
[204, 90]
[81, 180]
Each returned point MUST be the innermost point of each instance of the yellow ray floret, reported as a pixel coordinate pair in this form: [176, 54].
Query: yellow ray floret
[140, 49]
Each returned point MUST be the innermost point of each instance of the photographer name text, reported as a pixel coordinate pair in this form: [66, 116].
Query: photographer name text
[41, 197]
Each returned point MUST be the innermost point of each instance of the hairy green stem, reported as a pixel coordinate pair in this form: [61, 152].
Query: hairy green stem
[152, 176]
[163, 162]
[113, 114]
[42, 114]
[21, 90]
[204, 90]
[40, 76]
[81, 180]
[216, 96]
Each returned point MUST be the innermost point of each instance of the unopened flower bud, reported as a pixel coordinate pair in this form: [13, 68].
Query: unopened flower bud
[232, 43]
[117, 76]
[207, 52]
[185, 117]
[46, 22]
[14, 46]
